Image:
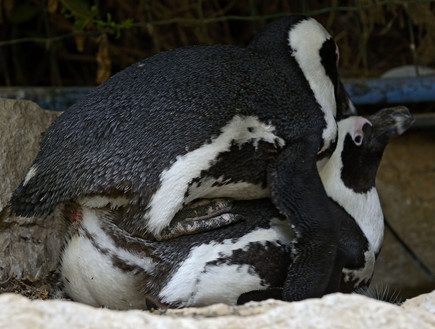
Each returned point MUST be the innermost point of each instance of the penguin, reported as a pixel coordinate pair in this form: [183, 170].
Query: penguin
[104, 265]
[213, 121]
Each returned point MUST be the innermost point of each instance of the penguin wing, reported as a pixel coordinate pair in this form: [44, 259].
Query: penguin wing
[121, 136]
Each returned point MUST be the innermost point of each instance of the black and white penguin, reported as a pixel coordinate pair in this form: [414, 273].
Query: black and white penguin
[103, 265]
[206, 122]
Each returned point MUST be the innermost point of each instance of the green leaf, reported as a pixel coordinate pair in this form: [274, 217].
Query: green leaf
[79, 8]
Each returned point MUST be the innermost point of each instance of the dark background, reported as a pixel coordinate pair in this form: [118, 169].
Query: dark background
[82, 42]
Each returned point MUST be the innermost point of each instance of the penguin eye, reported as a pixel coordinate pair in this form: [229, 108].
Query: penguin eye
[358, 139]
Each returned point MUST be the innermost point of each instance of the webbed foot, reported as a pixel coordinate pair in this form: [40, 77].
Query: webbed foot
[259, 295]
[201, 216]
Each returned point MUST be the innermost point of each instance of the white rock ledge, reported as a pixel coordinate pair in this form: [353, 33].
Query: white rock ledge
[332, 311]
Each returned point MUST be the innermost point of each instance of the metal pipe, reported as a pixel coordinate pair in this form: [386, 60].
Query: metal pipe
[391, 90]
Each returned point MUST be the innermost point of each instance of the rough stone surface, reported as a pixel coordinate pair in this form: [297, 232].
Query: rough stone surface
[332, 311]
[424, 302]
[406, 185]
[28, 246]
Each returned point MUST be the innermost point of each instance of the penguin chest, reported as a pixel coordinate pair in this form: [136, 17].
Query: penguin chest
[97, 271]
[232, 164]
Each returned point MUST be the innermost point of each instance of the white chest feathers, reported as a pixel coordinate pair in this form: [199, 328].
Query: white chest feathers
[365, 208]
[89, 274]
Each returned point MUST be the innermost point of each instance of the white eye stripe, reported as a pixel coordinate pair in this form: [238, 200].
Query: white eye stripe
[306, 39]
[357, 130]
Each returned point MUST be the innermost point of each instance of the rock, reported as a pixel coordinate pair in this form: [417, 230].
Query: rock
[332, 311]
[28, 246]
[425, 302]
[406, 188]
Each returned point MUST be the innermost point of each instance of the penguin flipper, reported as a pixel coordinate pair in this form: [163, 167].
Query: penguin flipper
[298, 193]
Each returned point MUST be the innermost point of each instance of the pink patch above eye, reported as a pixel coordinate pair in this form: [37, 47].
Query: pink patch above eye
[76, 216]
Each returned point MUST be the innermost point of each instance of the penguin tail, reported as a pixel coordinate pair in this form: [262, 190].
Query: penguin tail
[27, 201]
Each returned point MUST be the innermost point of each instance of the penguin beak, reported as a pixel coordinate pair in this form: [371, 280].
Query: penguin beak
[387, 124]
[345, 106]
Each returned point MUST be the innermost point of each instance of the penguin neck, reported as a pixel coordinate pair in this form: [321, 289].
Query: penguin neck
[305, 40]
[364, 208]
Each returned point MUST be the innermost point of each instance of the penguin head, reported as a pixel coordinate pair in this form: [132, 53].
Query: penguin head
[303, 51]
[351, 169]
[365, 142]
[316, 54]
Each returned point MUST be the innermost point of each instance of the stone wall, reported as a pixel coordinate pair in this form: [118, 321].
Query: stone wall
[28, 246]
[406, 184]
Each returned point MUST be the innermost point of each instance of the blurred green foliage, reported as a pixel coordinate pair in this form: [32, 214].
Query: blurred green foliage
[86, 17]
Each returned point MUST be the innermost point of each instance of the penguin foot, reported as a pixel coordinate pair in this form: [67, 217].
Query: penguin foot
[201, 216]
[152, 303]
[259, 295]
[204, 208]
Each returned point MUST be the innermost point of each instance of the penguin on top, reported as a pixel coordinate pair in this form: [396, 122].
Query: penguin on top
[103, 265]
[207, 122]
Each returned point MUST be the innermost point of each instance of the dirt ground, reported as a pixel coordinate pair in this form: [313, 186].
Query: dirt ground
[47, 287]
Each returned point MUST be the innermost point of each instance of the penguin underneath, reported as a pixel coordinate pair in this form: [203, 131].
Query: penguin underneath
[104, 265]
[206, 122]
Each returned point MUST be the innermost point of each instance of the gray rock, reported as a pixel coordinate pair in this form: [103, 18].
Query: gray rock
[332, 311]
[28, 246]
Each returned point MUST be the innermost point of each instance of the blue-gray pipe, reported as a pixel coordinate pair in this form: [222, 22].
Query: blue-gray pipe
[391, 90]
